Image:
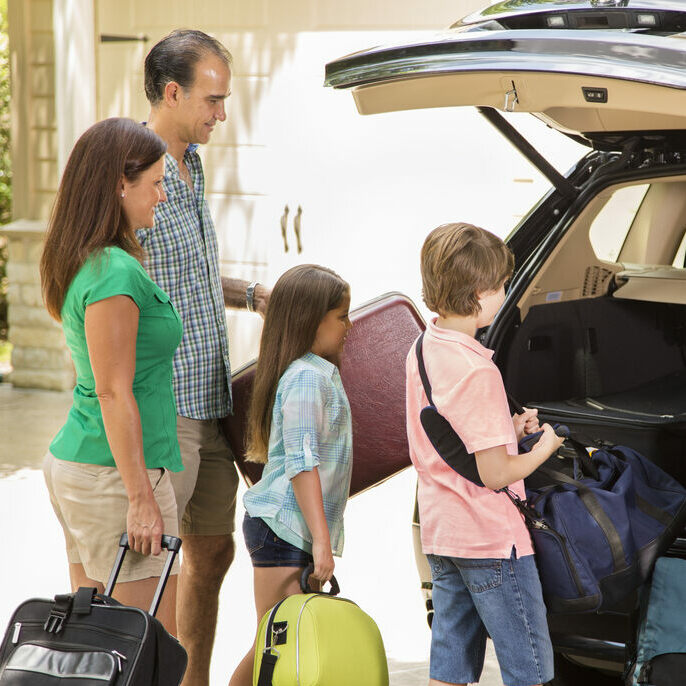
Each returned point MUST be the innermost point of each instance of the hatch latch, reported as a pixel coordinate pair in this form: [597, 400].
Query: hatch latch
[511, 99]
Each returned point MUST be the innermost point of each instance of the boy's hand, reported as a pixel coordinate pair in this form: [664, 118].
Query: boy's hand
[526, 423]
[549, 441]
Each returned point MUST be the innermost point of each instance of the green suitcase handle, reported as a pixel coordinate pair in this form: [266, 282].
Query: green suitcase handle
[305, 586]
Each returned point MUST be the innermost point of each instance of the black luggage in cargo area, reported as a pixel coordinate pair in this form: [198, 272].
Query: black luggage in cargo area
[650, 418]
[611, 369]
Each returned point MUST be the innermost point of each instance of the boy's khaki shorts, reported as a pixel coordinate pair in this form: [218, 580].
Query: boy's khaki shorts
[206, 488]
[90, 502]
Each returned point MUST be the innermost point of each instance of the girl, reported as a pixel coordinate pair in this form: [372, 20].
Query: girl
[299, 425]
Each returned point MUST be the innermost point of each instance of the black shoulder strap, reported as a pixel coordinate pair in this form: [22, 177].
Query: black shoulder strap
[422, 369]
[514, 405]
[269, 658]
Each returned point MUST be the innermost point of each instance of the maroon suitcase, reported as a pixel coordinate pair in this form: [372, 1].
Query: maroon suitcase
[373, 374]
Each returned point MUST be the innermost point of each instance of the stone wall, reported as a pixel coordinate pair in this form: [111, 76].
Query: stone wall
[39, 355]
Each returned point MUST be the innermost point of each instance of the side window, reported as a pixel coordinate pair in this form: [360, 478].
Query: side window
[611, 225]
[680, 258]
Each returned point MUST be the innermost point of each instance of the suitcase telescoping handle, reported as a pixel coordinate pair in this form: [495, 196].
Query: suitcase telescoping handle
[305, 582]
[171, 543]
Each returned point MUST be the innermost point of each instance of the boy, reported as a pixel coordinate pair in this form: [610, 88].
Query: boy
[485, 581]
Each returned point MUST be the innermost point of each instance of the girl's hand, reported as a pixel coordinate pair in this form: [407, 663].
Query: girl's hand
[549, 441]
[144, 526]
[526, 423]
[323, 560]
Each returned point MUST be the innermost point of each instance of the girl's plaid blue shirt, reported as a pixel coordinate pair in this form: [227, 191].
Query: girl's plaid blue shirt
[311, 427]
[183, 259]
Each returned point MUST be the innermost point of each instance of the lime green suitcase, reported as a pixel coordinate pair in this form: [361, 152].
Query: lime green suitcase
[316, 639]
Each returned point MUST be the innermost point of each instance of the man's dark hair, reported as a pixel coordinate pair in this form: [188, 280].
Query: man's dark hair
[174, 59]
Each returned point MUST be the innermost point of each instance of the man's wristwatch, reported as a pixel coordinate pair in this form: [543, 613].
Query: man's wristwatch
[250, 296]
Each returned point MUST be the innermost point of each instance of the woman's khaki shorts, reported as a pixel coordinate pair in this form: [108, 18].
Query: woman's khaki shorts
[91, 504]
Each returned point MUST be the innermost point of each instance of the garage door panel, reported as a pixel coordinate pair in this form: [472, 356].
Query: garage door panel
[235, 170]
[242, 224]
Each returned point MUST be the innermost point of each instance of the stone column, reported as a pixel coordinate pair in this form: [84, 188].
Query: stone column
[39, 355]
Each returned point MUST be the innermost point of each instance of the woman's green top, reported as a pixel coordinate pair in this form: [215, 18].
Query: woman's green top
[105, 274]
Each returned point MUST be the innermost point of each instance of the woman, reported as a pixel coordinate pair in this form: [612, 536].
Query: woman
[107, 469]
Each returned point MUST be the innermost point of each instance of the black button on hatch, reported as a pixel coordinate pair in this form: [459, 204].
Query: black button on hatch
[595, 94]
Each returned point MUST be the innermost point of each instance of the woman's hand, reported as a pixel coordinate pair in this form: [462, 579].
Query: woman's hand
[144, 526]
[323, 560]
[526, 423]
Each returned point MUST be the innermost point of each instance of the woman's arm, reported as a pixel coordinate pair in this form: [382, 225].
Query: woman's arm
[111, 327]
[308, 492]
[498, 469]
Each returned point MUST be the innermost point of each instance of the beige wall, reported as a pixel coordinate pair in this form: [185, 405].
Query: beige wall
[34, 129]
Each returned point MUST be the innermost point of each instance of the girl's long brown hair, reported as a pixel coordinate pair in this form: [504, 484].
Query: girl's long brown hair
[299, 301]
[87, 215]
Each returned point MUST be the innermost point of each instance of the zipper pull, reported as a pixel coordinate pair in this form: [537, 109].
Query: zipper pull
[15, 633]
[119, 657]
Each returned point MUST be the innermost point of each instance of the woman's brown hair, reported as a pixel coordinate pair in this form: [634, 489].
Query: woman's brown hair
[299, 301]
[87, 215]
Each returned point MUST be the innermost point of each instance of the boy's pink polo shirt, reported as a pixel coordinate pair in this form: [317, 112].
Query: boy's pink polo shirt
[458, 518]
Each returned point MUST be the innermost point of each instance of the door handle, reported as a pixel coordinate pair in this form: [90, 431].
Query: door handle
[284, 224]
[296, 226]
[116, 38]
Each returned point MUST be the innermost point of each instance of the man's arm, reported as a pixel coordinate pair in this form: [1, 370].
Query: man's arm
[235, 295]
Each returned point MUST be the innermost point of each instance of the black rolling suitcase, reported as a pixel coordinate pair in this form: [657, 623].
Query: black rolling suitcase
[84, 639]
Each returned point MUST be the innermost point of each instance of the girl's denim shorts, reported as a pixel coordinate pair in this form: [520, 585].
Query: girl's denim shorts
[267, 549]
[500, 598]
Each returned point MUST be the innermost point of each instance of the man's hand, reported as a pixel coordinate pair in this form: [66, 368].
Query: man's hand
[235, 295]
[261, 299]
[525, 423]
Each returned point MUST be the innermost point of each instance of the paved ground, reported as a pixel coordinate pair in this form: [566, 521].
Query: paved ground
[377, 570]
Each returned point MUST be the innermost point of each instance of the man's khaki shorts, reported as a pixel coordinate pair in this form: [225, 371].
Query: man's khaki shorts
[90, 502]
[206, 489]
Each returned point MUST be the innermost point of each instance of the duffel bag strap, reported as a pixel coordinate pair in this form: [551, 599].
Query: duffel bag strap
[531, 517]
[269, 655]
[594, 508]
[580, 452]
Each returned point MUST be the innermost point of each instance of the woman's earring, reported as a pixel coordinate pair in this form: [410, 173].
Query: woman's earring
[123, 195]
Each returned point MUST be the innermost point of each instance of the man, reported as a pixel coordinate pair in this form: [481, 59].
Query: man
[187, 80]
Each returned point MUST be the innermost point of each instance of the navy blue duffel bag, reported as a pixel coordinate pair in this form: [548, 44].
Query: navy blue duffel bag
[597, 537]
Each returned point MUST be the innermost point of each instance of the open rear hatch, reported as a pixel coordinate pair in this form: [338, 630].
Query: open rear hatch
[623, 76]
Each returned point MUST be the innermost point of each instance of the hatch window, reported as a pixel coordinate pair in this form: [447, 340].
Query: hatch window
[611, 226]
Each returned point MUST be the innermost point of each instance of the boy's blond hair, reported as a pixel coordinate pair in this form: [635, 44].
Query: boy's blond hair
[459, 261]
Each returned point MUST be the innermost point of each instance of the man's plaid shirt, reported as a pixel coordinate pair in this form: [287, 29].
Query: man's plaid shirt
[183, 259]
